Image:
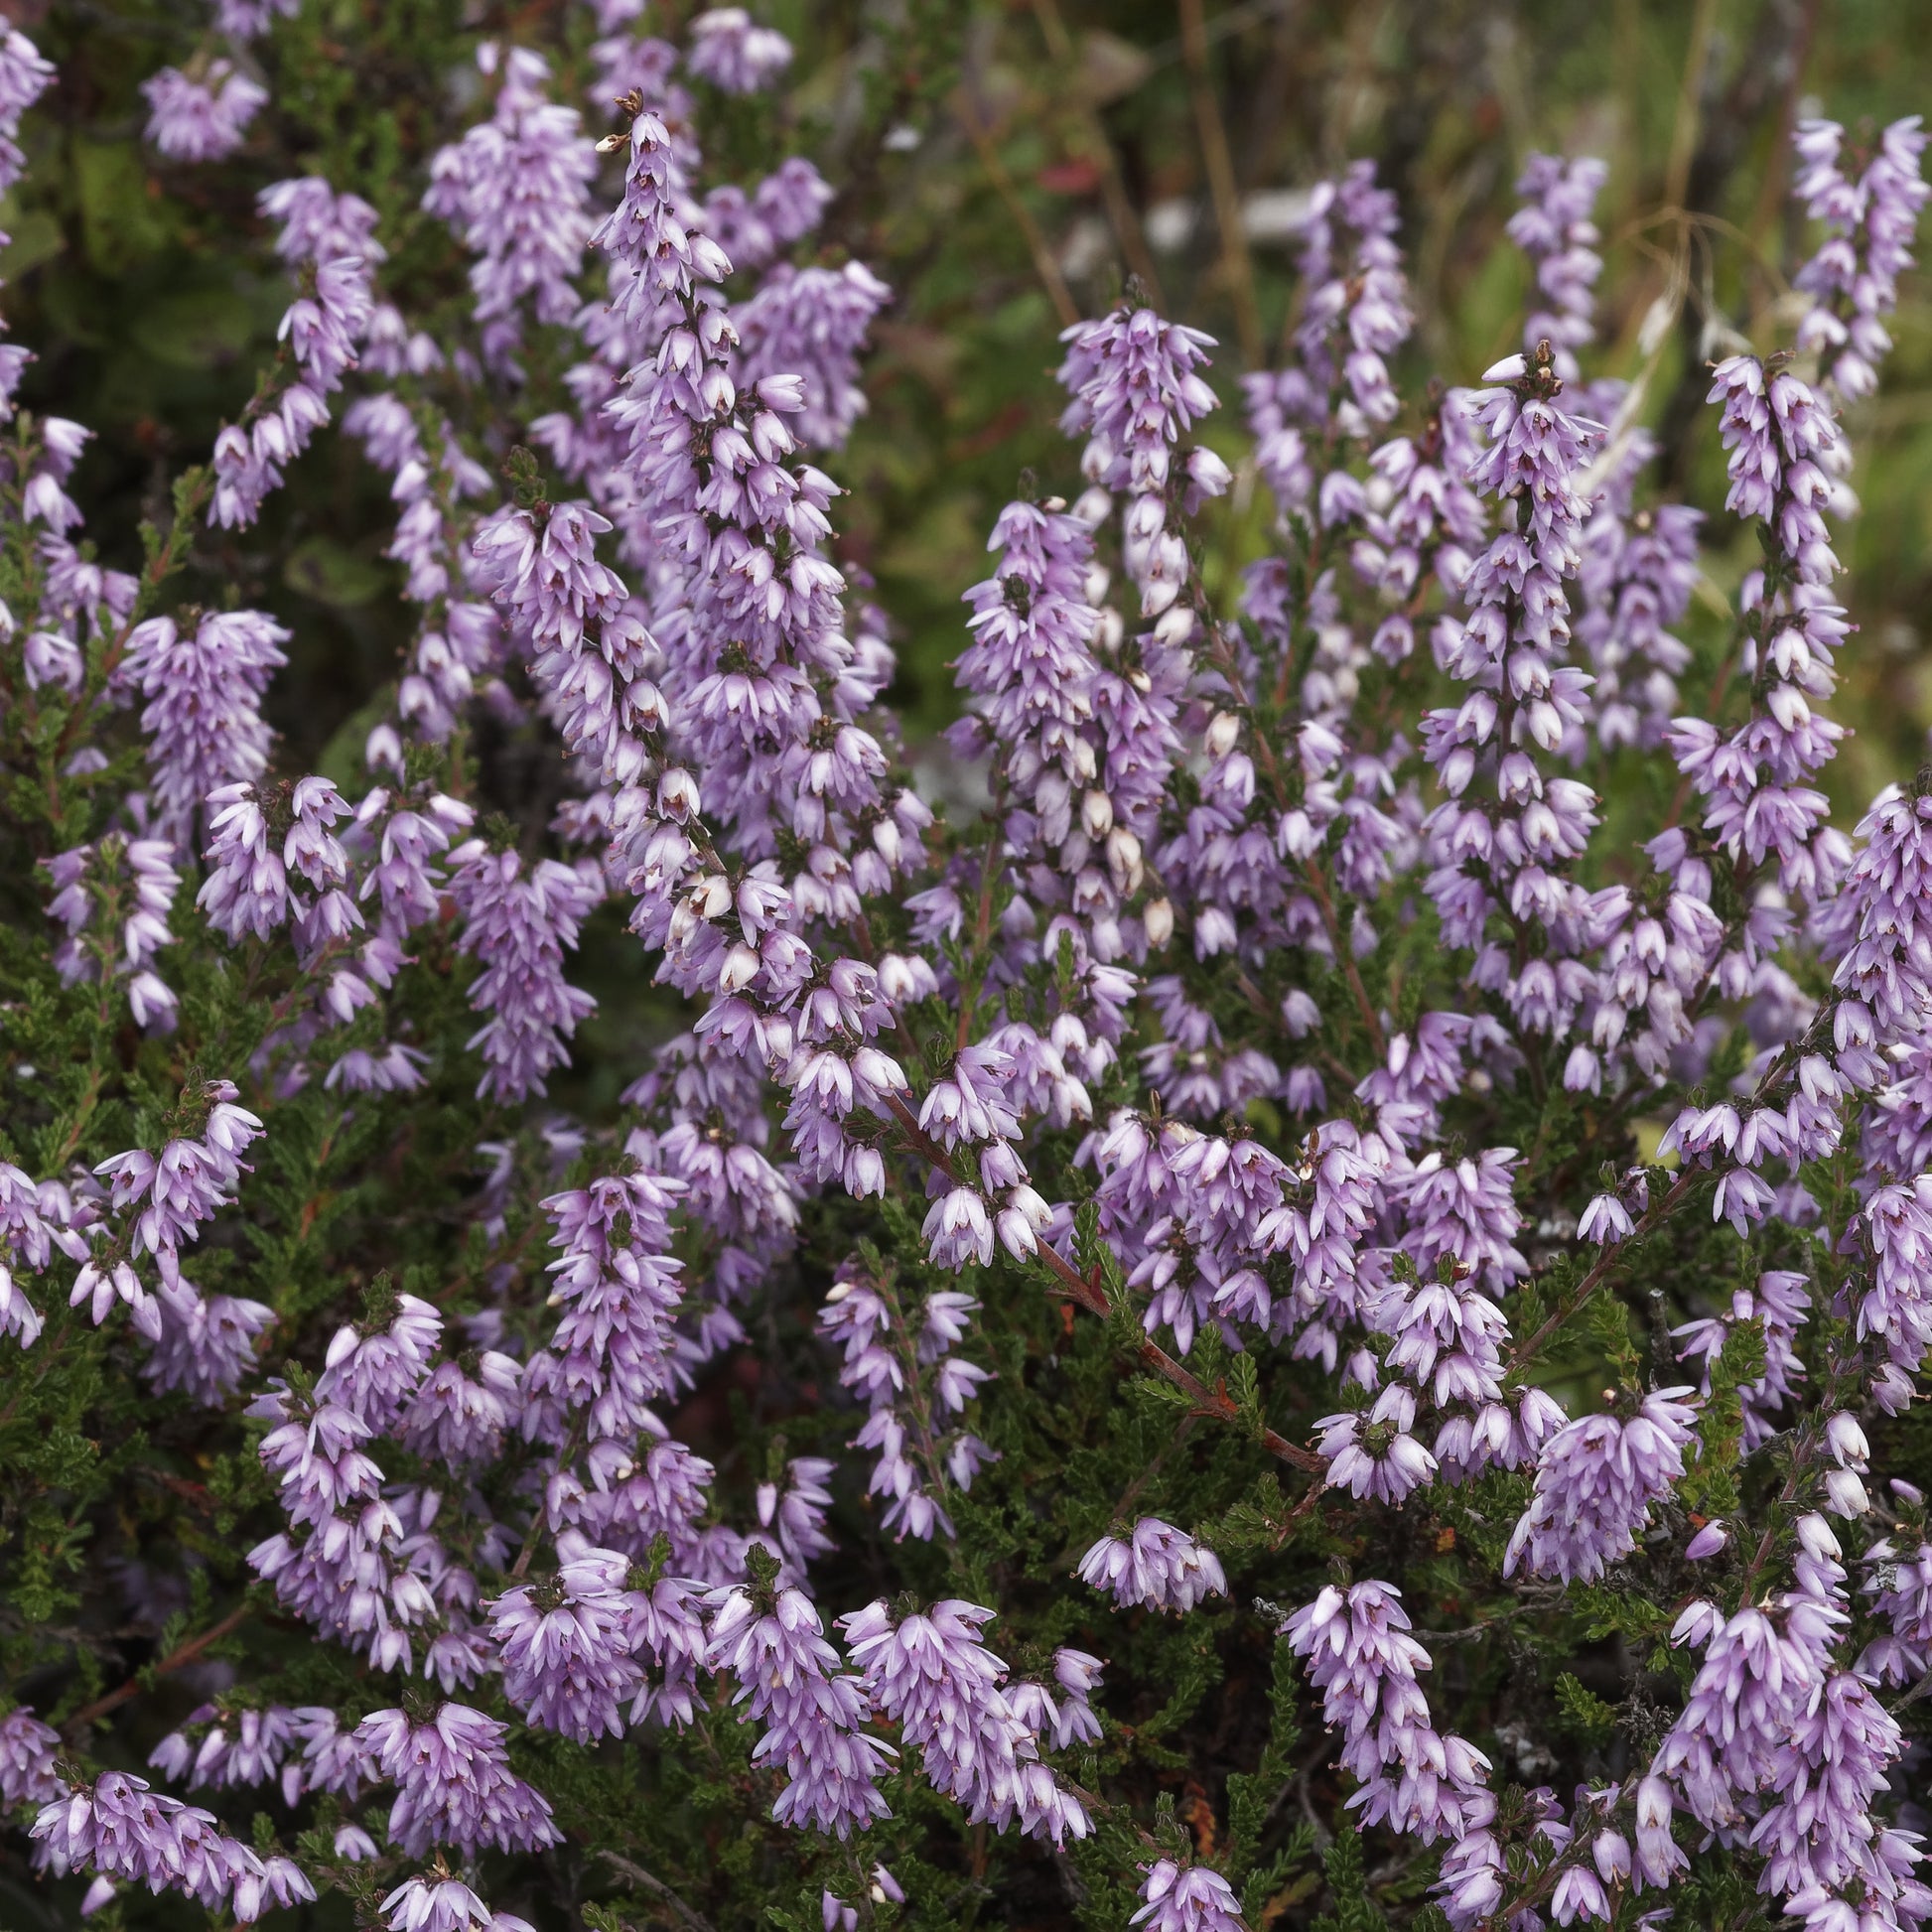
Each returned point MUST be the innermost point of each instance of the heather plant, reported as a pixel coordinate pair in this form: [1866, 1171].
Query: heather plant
[1305, 1308]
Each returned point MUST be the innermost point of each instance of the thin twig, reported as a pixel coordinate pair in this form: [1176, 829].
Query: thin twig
[1684, 131]
[1659, 1209]
[541, 1520]
[175, 1659]
[658, 1889]
[1099, 149]
[1047, 269]
[1236, 266]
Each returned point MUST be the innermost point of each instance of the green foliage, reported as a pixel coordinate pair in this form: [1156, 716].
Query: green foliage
[1583, 1711]
[150, 299]
[1354, 1909]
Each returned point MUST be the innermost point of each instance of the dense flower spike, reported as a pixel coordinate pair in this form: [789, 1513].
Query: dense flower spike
[1311, 1004]
[114, 900]
[454, 1784]
[913, 1383]
[321, 328]
[120, 1829]
[518, 925]
[1190, 1898]
[27, 1749]
[1853, 280]
[788, 1681]
[515, 190]
[444, 1904]
[1157, 1566]
[733, 51]
[203, 711]
[1555, 231]
[1362, 1659]
[931, 1674]
[1595, 1483]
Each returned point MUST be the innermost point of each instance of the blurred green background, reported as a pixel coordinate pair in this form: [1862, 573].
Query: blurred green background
[1000, 166]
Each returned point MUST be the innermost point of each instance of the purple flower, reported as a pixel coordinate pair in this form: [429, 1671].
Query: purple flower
[911, 1380]
[515, 190]
[565, 1647]
[162, 1202]
[371, 1371]
[200, 119]
[27, 1749]
[588, 650]
[1354, 316]
[1707, 1542]
[1061, 1710]
[1373, 1454]
[615, 1346]
[1871, 224]
[316, 224]
[1158, 1566]
[321, 328]
[256, 869]
[1895, 1308]
[931, 1673]
[731, 50]
[246, 20]
[1363, 1660]
[518, 926]
[454, 1784]
[811, 323]
[121, 1829]
[1554, 230]
[457, 1416]
[444, 1904]
[795, 1514]
[206, 1346]
[203, 716]
[1780, 1305]
[25, 74]
[1595, 1483]
[1135, 386]
[1186, 1899]
[227, 1749]
[789, 1680]
[345, 1570]
[118, 894]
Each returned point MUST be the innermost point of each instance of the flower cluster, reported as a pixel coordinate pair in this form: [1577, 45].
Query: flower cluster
[1146, 1211]
[330, 240]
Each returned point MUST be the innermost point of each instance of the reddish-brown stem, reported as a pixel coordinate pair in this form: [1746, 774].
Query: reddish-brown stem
[1664, 1205]
[181, 1655]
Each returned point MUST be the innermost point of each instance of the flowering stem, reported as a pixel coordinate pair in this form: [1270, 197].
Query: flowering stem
[1223, 661]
